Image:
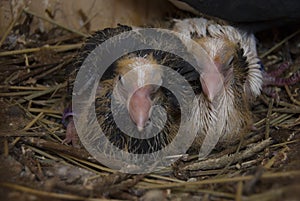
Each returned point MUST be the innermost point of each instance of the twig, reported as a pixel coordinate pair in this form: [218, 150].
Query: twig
[206, 191]
[43, 153]
[164, 178]
[49, 194]
[275, 121]
[239, 191]
[291, 96]
[41, 93]
[285, 143]
[282, 110]
[71, 159]
[12, 24]
[39, 88]
[55, 23]
[88, 21]
[116, 182]
[5, 147]
[233, 159]
[58, 48]
[267, 133]
[285, 104]
[233, 149]
[261, 123]
[21, 133]
[276, 157]
[97, 166]
[58, 147]
[279, 44]
[205, 173]
[10, 94]
[223, 161]
[280, 119]
[27, 127]
[44, 110]
[225, 180]
[51, 70]
[41, 122]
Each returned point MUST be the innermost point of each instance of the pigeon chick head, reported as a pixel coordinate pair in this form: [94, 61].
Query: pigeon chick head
[230, 68]
[215, 75]
[232, 53]
[138, 79]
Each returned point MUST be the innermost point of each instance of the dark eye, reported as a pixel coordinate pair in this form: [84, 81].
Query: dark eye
[120, 79]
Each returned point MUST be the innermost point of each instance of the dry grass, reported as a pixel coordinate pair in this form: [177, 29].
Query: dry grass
[264, 166]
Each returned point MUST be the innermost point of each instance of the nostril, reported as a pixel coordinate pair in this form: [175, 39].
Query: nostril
[148, 122]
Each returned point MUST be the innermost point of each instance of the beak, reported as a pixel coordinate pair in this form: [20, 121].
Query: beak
[139, 107]
[211, 83]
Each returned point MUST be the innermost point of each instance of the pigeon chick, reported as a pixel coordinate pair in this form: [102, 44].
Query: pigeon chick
[228, 85]
[90, 44]
[134, 86]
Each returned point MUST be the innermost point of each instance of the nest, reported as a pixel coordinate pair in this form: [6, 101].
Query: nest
[34, 162]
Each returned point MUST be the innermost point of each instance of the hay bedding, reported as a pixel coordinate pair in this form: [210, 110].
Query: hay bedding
[36, 166]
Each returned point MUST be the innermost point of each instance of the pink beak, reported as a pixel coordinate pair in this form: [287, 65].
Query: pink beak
[139, 107]
[211, 83]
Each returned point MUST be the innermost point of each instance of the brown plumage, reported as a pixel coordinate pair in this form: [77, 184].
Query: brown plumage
[134, 106]
[135, 100]
[224, 88]
[228, 85]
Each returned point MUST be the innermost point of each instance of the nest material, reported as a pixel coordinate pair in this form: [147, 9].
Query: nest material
[264, 166]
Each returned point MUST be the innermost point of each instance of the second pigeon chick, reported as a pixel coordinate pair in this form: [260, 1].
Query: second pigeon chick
[229, 85]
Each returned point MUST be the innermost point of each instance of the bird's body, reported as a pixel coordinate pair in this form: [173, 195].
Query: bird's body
[134, 85]
[223, 89]
[229, 85]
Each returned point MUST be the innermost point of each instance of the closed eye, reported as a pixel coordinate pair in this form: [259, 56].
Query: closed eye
[230, 62]
[227, 65]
